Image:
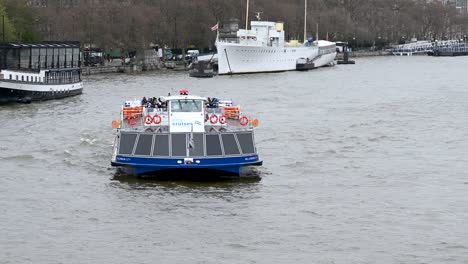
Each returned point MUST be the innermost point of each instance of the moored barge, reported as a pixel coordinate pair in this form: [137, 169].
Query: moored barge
[35, 72]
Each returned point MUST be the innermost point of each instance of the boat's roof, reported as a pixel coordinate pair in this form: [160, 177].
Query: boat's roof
[50, 44]
[184, 97]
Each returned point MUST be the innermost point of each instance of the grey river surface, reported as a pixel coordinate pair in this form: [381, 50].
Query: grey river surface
[363, 163]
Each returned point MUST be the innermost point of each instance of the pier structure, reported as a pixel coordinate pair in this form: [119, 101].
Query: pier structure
[433, 48]
[419, 47]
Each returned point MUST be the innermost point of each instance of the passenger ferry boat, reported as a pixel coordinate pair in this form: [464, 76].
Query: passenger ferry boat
[34, 72]
[182, 135]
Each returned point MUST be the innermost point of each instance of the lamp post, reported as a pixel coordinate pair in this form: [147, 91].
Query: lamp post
[3, 27]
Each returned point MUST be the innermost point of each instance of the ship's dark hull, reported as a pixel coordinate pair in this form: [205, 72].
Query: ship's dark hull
[204, 166]
[8, 95]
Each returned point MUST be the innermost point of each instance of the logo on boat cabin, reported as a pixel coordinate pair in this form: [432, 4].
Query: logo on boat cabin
[180, 122]
[186, 122]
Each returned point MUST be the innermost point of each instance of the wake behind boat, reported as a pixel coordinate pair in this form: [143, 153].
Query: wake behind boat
[34, 72]
[184, 135]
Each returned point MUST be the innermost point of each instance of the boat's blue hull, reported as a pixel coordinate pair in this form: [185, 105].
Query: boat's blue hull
[152, 166]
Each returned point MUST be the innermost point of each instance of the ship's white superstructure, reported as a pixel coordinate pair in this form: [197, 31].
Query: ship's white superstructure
[263, 49]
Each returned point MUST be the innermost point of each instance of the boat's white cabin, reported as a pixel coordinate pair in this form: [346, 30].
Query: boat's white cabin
[186, 113]
[263, 33]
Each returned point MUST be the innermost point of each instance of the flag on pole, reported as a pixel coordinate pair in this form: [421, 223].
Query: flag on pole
[215, 27]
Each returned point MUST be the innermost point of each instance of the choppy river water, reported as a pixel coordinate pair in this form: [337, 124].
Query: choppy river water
[364, 163]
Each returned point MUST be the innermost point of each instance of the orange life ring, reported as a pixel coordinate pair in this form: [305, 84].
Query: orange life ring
[213, 119]
[148, 119]
[132, 120]
[157, 119]
[243, 120]
[222, 119]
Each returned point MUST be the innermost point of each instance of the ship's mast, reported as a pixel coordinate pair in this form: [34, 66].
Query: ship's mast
[247, 17]
[305, 21]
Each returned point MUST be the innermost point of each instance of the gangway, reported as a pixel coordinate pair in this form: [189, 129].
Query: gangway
[437, 48]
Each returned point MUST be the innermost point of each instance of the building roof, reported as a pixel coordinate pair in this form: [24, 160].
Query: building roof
[16, 45]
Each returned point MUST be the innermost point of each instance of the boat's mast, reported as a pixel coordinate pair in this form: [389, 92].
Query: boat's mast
[305, 21]
[317, 33]
[247, 17]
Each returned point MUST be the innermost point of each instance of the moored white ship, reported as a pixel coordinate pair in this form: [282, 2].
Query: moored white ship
[263, 49]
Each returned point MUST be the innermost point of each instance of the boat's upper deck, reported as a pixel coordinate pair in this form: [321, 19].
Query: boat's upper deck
[183, 114]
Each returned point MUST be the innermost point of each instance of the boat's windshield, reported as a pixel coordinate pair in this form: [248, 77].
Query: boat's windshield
[186, 105]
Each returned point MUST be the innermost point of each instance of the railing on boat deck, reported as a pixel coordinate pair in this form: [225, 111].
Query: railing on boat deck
[157, 120]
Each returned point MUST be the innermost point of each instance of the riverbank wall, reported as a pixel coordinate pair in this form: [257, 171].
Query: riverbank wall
[119, 69]
[359, 54]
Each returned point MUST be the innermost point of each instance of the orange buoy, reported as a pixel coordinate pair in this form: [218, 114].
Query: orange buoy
[115, 124]
[255, 122]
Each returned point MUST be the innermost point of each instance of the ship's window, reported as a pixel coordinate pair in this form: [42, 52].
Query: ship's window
[213, 146]
[34, 58]
[229, 144]
[186, 106]
[69, 56]
[42, 58]
[16, 77]
[127, 141]
[27, 78]
[22, 78]
[144, 144]
[161, 145]
[196, 146]
[61, 58]
[11, 77]
[24, 58]
[179, 145]
[246, 142]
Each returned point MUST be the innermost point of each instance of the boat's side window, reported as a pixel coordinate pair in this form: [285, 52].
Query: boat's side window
[11, 77]
[27, 78]
[22, 78]
[16, 77]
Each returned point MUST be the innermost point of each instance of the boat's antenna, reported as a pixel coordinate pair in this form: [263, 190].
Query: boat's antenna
[317, 36]
[305, 21]
[247, 17]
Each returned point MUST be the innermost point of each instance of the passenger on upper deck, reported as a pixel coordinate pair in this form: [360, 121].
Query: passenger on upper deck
[212, 102]
[144, 101]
